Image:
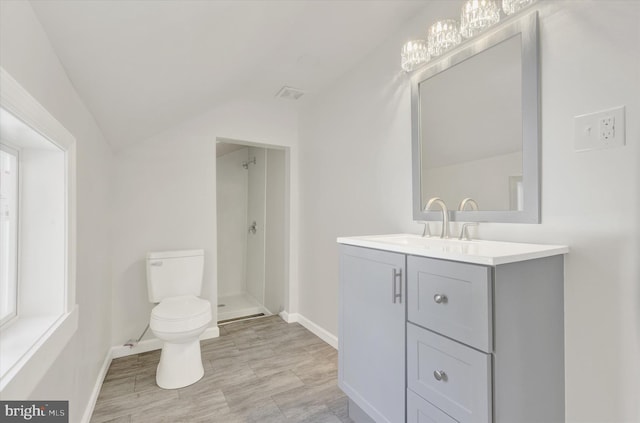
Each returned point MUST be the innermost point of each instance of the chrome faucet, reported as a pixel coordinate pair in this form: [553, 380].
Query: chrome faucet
[469, 201]
[464, 232]
[445, 215]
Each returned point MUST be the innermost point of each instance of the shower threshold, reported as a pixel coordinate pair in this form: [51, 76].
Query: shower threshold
[239, 306]
[237, 319]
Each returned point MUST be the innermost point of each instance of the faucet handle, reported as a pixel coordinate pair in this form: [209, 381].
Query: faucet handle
[464, 232]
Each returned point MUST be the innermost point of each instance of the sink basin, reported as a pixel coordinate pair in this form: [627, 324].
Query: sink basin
[475, 251]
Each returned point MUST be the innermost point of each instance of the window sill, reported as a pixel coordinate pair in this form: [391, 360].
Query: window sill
[28, 348]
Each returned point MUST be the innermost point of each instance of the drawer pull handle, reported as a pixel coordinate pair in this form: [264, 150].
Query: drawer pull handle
[440, 298]
[396, 276]
[440, 375]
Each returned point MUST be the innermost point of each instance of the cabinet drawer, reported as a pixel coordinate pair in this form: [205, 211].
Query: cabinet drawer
[451, 376]
[421, 411]
[451, 298]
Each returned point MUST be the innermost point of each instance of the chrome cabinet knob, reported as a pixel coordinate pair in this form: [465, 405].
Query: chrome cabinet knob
[440, 375]
[440, 298]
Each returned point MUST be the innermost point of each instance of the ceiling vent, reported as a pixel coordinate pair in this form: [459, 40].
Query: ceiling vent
[290, 93]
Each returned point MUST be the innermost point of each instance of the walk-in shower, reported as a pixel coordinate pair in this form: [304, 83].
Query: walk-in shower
[250, 186]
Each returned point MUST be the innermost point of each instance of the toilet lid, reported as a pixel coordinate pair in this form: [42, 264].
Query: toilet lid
[181, 308]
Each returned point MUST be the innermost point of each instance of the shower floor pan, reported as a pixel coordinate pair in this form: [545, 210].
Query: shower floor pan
[239, 305]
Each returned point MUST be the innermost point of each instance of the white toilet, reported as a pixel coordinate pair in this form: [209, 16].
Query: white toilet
[174, 280]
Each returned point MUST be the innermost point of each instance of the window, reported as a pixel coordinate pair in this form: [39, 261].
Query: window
[38, 313]
[8, 232]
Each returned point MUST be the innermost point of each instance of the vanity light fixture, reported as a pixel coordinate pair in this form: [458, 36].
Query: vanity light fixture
[442, 36]
[477, 16]
[514, 6]
[445, 34]
[414, 53]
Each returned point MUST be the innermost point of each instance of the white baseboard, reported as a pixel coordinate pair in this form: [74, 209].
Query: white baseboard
[142, 346]
[86, 417]
[155, 344]
[285, 316]
[317, 330]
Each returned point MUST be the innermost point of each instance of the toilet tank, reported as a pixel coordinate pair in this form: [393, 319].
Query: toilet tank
[174, 273]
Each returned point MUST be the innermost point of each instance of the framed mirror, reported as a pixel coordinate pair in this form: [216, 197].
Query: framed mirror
[475, 127]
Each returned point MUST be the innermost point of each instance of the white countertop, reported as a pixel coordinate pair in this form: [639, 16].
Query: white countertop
[475, 251]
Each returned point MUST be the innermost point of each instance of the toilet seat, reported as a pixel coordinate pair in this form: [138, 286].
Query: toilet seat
[180, 314]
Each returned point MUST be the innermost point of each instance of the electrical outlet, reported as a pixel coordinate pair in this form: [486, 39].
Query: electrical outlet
[599, 130]
[607, 129]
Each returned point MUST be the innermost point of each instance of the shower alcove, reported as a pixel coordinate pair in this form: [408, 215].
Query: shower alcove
[250, 192]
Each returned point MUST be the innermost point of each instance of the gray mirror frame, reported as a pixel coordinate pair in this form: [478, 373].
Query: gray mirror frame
[526, 25]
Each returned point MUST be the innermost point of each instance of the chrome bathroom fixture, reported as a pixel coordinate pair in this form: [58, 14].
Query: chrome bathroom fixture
[470, 201]
[464, 232]
[442, 36]
[477, 16]
[426, 232]
[247, 163]
[445, 34]
[445, 215]
[514, 6]
[414, 53]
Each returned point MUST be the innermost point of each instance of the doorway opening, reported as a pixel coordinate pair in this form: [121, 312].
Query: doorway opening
[252, 204]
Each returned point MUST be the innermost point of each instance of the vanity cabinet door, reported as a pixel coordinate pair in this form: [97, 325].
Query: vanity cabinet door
[371, 354]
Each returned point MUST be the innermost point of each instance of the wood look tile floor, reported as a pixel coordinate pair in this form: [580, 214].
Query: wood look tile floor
[262, 370]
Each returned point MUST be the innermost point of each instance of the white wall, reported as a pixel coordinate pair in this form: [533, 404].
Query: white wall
[232, 195]
[275, 260]
[355, 179]
[26, 54]
[165, 198]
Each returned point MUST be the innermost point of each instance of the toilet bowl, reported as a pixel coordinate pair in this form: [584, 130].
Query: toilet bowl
[174, 282]
[179, 322]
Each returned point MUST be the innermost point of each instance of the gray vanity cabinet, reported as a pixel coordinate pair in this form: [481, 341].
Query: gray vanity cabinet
[372, 331]
[483, 343]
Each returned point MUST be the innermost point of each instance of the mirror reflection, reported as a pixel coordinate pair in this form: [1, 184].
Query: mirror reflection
[471, 130]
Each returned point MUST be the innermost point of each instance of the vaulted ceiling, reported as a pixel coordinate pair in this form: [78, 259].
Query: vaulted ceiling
[143, 66]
